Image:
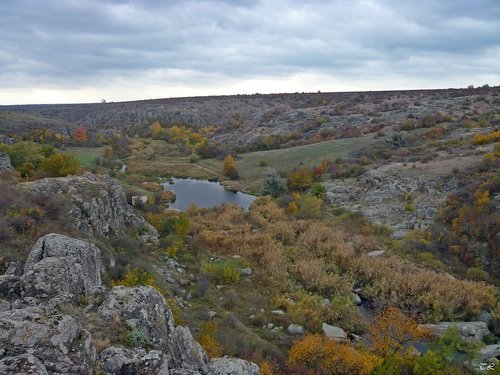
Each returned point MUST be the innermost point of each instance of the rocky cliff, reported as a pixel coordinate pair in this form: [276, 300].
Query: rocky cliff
[49, 309]
[97, 204]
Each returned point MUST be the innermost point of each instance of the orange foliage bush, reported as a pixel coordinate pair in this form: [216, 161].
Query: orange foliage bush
[480, 139]
[319, 353]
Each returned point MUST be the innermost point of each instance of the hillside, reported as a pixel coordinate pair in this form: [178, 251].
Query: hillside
[375, 235]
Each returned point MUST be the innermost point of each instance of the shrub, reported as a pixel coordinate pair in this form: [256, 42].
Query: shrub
[322, 354]
[59, 165]
[272, 184]
[480, 139]
[137, 339]
[223, 272]
[300, 178]
[208, 341]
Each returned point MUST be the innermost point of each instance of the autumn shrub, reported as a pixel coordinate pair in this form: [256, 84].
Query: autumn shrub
[391, 330]
[135, 277]
[393, 281]
[300, 178]
[480, 139]
[208, 339]
[319, 353]
[59, 165]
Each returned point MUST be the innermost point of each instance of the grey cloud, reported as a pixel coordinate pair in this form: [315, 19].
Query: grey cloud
[72, 42]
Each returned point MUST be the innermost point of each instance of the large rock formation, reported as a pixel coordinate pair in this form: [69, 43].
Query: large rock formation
[59, 264]
[98, 204]
[43, 330]
[400, 196]
[469, 331]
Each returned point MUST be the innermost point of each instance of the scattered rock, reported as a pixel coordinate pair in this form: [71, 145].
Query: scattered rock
[470, 331]
[356, 299]
[295, 329]
[139, 200]
[211, 314]
[278, 312]
[229, 366]
[489, 352]
[246, 271]
[5, 164]
[334, 332]
[376, 253]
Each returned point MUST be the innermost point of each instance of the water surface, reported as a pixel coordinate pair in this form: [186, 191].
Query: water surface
[204, 194]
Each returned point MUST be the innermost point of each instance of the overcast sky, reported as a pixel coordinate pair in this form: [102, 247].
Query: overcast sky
[56, 51]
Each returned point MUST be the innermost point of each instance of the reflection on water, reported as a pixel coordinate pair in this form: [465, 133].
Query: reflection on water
[204, 194]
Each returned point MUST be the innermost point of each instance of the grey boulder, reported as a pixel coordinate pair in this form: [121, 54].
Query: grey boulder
[230, 366]
[59, 264]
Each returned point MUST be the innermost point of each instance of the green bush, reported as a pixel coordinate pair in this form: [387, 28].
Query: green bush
[222, 272]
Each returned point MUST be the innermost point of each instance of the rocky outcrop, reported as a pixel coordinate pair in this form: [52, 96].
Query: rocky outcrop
[57, 341]
[144, 309]
[230, 366]
[5, 164]
[119, 360]
[38, 336]
[395, 195]
[470, 331]
[59, 264]
[98, 204]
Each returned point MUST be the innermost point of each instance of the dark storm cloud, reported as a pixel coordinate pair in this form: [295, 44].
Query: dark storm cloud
[72, 42]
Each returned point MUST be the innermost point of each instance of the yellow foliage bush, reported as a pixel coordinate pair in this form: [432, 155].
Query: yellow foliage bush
[480, 139]
[323, 354]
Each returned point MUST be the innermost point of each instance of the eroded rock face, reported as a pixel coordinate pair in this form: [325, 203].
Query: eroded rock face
[394, 195]
[59, 264]
[56, 340]
[230, 366]
[146, 310]
[99, 205]
[36, 337]
[119, 360]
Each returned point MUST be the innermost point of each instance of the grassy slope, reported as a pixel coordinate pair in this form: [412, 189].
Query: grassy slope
[285, 159]
[85, 155]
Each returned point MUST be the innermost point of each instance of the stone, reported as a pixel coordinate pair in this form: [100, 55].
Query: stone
[98, 205]
[22, 364]
[246, 271]
[489, 352]
[10, 286]
[295, 329]
[15, 268]
[334, 332]
[211, 314]
[56, 340]
[278, 312]
[229, 366]
[376, 253]
[470, 331]
[153, 317]
[139, 200]
[119, 360]
[5, 164]
[4, 305]
[356, 299]
[60, 264]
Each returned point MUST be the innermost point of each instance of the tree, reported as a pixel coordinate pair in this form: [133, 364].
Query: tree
[229, 168]
[59, 165]
[80, 135]
[300, 178]
[272, 184]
